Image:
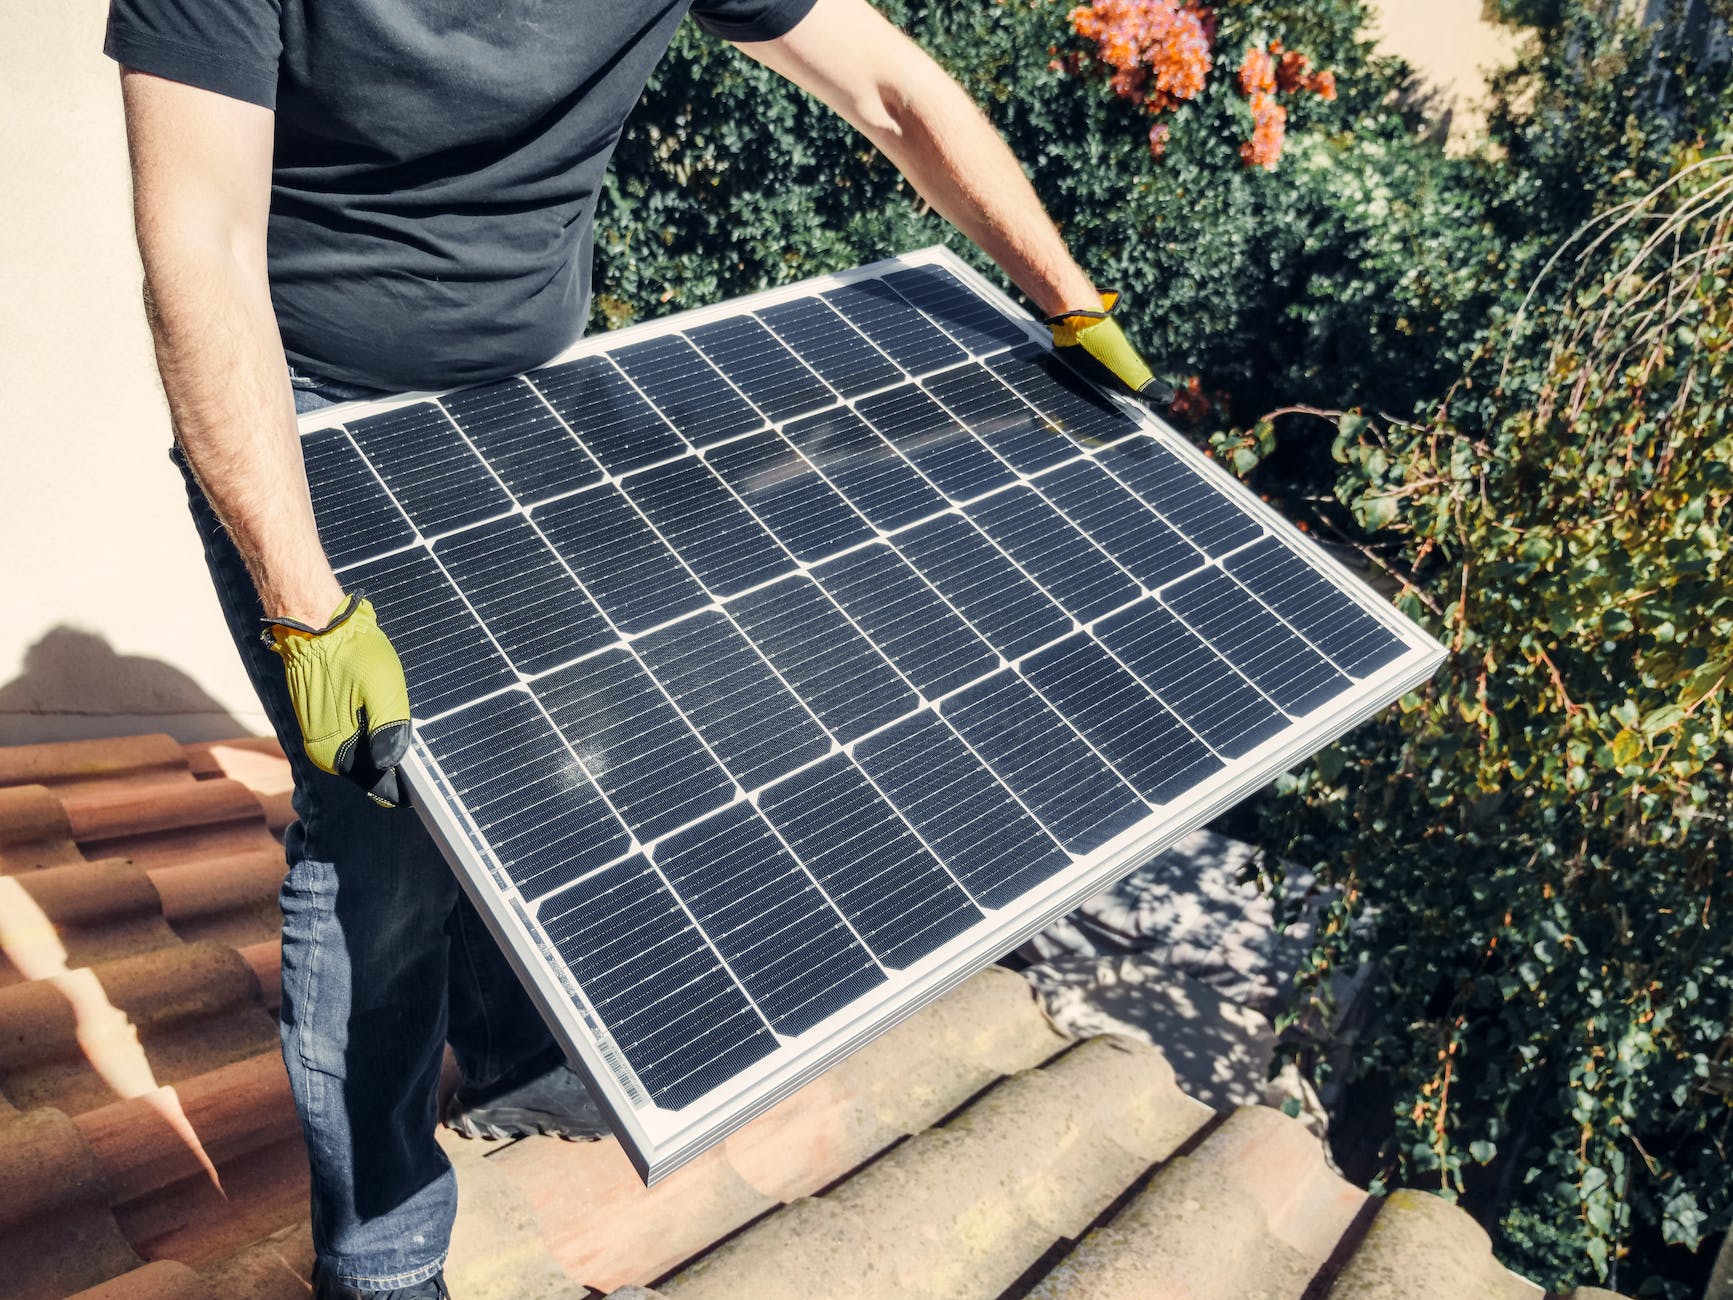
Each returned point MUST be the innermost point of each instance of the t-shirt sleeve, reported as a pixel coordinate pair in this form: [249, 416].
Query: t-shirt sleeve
[750, 20]
[229, 46]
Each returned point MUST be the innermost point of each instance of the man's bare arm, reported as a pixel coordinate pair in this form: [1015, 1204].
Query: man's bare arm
[201, 167]
[847, 54]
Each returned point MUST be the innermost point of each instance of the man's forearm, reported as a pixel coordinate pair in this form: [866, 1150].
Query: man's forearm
[951, 153]
[201, 189]
[228, 391]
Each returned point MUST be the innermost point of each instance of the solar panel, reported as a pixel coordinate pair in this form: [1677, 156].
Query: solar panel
[777, 665]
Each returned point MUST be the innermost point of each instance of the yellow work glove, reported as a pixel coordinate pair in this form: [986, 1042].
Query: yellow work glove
[1096, 335]
[349, 694]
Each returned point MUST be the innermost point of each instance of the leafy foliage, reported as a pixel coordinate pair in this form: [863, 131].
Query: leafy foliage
[1349, 274]
[1538, 844]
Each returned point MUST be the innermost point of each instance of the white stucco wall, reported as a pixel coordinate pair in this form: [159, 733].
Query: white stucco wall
[107, 624]
[1450, 46]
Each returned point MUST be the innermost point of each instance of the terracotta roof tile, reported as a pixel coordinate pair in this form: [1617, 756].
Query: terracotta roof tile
[275, 1267]
[1420, 1247]
[606, 1229]
[78, 1040]
[972, 1204]
[1252, 1209]
[34, 832]
[56, 1232]
[76, 915]
[167, 823]
[72, 767]
[163, 1280]
[145, 1114]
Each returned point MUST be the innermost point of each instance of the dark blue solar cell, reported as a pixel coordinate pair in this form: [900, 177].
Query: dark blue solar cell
[957, 462]
[963, 313]
[901, 332]
[1020, 434]
[1130, 728]
[1191, 679]
[1048, 548]
[1198, 509]
[447, 657]
[428, 467]
[785, 943]
[641, 752]
[668, 1003]
[356, 517]
[535, 610]
[1001, 604]
[782, 488]
[1072, 403]
[686, 388]
[907, 619]
[830, 345]
[629, 571]
[1120, 524]
[1058, 777]
[1326, 617]
[614, 421]
[502, 756]
[877, 873]
[1255, 641]
[847, 683]
[532, 452]
[961, 810]
[749, 718]
[865, 468]
[758, 364]
[707, 526]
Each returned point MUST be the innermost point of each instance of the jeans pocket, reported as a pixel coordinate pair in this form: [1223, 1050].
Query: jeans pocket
[315, 1011]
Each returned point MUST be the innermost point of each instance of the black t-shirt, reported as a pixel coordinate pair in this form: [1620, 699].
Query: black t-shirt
[437, 161]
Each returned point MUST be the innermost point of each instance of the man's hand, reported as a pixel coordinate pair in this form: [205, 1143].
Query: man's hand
[1085, 337]
[349, 695]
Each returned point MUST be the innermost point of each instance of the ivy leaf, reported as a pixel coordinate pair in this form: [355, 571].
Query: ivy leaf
[1662, 719]
[1627, 747]
[1682, 1221]
[1349, 428]
[1375, 511]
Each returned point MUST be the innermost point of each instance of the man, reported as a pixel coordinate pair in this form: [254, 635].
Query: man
[395, 196]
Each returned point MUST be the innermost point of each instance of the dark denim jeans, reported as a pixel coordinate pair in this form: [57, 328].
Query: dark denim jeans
[384, 959]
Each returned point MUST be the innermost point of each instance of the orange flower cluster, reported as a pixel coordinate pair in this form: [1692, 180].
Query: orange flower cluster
[1263, 73]
[1292, 74]
[1269, 132]
[1257, 72]
[1158, 50]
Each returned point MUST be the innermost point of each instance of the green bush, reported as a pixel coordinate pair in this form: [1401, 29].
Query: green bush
[1537, 846]
[1354, 271]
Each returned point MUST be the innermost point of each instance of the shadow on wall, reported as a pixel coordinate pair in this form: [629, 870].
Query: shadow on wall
[75, 686]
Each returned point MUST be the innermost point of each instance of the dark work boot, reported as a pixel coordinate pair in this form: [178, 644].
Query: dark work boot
[432, 1289]
[541, 1096]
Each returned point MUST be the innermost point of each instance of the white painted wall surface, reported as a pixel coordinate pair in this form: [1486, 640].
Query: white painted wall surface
[107, 623]
[1451, 47]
